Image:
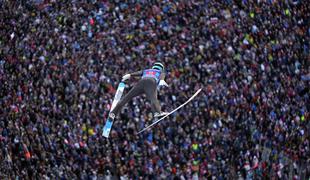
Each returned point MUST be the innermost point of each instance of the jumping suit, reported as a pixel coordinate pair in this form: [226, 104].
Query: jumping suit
[147, 85]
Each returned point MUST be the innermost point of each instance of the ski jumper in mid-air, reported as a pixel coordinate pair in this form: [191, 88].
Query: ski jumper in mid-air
[150, 80]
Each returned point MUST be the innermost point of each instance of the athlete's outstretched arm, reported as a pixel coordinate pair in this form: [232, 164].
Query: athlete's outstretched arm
[162, 76]
[137, 73]
[162, 81]
[127, 76]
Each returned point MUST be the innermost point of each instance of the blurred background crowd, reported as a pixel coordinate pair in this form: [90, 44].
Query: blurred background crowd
[60, 62]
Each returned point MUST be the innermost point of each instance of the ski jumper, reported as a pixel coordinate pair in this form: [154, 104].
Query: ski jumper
[146, 85]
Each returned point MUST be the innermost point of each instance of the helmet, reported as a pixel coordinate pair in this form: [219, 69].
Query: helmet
[158, 66]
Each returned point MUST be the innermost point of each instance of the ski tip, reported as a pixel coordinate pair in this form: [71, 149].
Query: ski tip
[197, 92]
[122, 84]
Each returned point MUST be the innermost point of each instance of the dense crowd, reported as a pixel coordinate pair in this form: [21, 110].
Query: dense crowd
[60, 63]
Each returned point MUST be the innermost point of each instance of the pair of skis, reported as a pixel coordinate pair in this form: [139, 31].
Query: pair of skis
[120, 89]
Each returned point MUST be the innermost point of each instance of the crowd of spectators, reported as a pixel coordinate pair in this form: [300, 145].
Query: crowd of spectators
[60, 62]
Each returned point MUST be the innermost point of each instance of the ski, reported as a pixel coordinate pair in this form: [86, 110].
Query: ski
[191, 98]
[108, 125]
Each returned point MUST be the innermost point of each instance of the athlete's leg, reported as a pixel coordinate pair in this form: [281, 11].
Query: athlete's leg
[151, 95]
[135, 91]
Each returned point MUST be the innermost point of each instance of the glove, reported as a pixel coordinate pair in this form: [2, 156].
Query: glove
[125, 77]
[163, 83]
